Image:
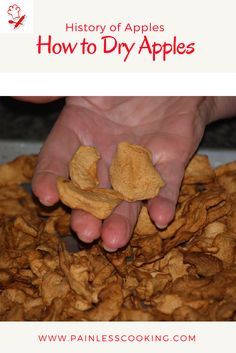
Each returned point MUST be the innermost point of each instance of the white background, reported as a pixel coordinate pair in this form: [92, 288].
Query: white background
[211, 24]
[210, 337]
[98, 84]
[27, 8]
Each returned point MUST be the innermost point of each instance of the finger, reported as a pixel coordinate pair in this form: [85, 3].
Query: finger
[162, 207]
[118, 228]
[44, 187]
[86, 226]
[53, 161]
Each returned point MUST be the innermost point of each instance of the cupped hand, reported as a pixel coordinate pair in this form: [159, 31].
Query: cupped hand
[170, 127]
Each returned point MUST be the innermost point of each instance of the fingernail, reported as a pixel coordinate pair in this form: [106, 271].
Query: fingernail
[160, 227]
[109, 249]
[46, 202]
[86, 236]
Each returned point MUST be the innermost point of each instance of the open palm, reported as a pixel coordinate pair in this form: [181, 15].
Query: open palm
[171, 127]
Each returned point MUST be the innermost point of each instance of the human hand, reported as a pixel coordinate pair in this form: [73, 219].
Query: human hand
[170, 127]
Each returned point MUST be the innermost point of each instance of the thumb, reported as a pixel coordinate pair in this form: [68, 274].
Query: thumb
[53, 160]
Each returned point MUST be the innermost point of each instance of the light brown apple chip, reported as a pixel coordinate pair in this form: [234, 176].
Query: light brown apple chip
[99, 202]
[227, 180]
[18, 171]
[54, 285]
[83, 167]
[135, 315]
[167, 303]
[132, 173]
[148, 248]
[184, 272]
[109, 305]
[199, 170]
[225, 168]
[144, 224]
[206, 265]
[172, 264]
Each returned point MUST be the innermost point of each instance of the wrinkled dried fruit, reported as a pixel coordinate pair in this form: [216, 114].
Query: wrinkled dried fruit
[144, 224]
[167, 303]
[186, 272]
[98, 202]
[225, 168]
[83, 167]
[199, 171]
[206, 265]
[18, 171]
[132, 173]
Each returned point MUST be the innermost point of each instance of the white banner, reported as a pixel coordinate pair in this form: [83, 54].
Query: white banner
[105, 337]
[117, 84]
[125, 36]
